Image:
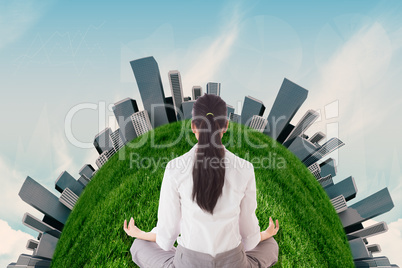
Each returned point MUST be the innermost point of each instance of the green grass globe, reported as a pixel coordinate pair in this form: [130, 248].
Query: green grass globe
[310, 235]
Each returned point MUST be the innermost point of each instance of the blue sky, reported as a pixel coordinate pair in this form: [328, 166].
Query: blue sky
[56, 55]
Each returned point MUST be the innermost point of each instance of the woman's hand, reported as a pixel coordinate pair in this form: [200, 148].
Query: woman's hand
[132, 230]
[271, 230]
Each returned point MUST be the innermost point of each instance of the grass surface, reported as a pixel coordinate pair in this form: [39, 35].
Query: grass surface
[310, 235]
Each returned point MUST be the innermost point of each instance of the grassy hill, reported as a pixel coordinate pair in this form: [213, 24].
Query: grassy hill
[310, 235]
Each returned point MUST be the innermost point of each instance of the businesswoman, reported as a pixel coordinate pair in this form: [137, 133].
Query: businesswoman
[207, 203]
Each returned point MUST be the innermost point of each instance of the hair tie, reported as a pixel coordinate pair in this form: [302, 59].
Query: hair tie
[209, 113]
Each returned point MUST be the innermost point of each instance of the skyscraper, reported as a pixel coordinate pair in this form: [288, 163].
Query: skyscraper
[258, 123]
[325, 149]
[317, 137]
[288, 101]
[306, 121]
[117, 139]
[122, 111]
[230, 109]
[177, 90]
[251, 106]
[328, 167]
[102, 140]
[235, 117]
[358, 249]
[141, 122]
[301, 147]
[38, 225]
[372, 206]
[371, 230]
[214, 88]
[68, 198]
[43, 200]
[65, 180]
[102, 159]
[197, 92]
[87, 170]
[146, 72]
[171, 111]
[374, 262]
[187, 108]
[346, 187]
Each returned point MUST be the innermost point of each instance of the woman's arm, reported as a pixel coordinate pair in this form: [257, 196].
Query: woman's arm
[134, 231]
[271, 230]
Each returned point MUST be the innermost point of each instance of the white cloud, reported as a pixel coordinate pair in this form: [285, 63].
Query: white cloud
[12, 208]
[62, 157]
[198, 63]
[390, 241]
[207, 62]
[352, 75]
[13, 243]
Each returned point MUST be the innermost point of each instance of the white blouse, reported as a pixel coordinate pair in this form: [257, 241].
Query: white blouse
[233, 220]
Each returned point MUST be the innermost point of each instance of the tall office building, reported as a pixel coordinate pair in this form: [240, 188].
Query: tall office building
[346, 187]
[235, 117]
[177, 90]
[359, 249]
[258, 123]
[382, 262]
[68, 198]
[230, 109]
[307, 120]
[328, 167]
[46, 247]
[141, 122]
[43, 200]
[197, 92]
[317, 137]
[65, 180]
[286, 132]
[171, 111]
[214, 88]
[315, 170]
[39, 226]
[288, 101]
[187, 108]
[302, 148]
[372, 206]
[117, 139]
[146, 72]
[326, 181]
[324, 150]
[374, 248]
[102, 140]
[371, 230]
[251, 106]
[25, 260]
[87, 170]
[32, 244]
[122, 111]
[102, 159]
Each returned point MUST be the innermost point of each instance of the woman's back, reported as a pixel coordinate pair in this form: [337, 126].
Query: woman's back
[208, 196]
[233, 219]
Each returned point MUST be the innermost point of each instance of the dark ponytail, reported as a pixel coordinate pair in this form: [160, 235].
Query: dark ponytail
[209, 116]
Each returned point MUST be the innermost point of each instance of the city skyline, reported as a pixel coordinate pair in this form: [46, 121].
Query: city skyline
[287, 102]
[86, 63]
